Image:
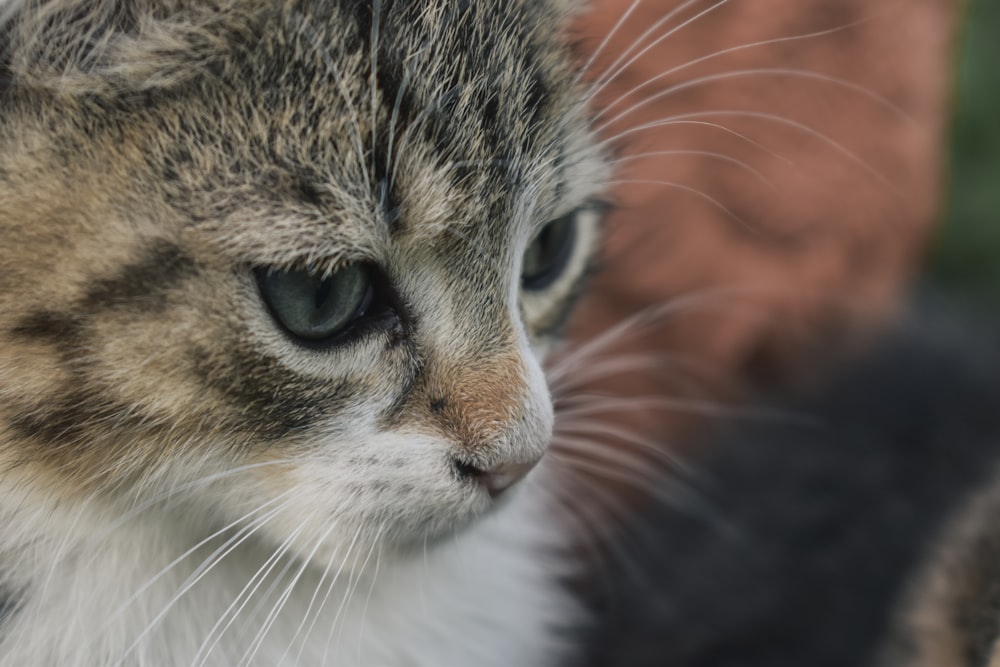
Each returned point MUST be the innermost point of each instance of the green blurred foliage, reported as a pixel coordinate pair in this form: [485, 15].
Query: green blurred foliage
[967, 254]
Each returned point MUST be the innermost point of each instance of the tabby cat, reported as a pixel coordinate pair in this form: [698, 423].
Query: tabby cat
[277, 281]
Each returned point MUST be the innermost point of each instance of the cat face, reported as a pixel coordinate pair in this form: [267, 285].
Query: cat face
[287, 260]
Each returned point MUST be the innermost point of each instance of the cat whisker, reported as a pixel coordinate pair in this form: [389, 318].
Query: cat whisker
[596, 527]
[595, 54]
[566, 360]
[243, 532]
[179, 489]
[352, 585]
[329, 590]
[647, 449]
[605, 108]
[368, 598]
[262, 601]
[689, 375]
[315, 593]
[246, 594]
[708, 154]
[617, 68]
[633, 477]
[213, 559]
[775, 118]
[652, 461]
[279, 605]
[602, 404]
[562, 391]
[673, 185]
[584, 523]
[758, 71]
[670, 121]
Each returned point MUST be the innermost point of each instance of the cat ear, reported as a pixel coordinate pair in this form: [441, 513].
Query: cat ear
[95, 46]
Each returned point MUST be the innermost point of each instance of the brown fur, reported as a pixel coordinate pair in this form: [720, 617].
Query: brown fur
[145, 168]
[951, 617]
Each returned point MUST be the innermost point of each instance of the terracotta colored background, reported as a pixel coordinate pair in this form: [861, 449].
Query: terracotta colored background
[804, 181]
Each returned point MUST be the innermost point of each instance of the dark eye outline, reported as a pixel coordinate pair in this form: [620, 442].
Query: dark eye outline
[378, 309]
[559, 260]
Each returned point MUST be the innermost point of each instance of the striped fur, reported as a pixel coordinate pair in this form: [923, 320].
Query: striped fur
[180, 481]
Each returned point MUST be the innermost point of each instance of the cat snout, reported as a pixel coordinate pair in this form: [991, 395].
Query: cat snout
[497, 479]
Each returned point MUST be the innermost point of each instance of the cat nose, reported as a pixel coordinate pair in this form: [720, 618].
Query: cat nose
[499, 478]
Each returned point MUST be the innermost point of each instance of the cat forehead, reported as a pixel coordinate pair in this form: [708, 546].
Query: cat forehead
[439, 113]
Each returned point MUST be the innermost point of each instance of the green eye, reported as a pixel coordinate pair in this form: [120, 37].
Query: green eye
[314, 307]
[549, 253]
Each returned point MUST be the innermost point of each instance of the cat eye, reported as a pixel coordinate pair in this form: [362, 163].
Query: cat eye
[315, 306]
[549, 253]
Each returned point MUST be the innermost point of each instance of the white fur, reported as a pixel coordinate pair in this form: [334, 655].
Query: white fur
[487, 597]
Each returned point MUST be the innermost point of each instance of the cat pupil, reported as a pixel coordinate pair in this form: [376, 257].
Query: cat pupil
[549, 253]
[312, 307]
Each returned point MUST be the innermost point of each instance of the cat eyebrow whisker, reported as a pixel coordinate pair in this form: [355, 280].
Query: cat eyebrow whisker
[595, 54]
[689, 189]
[608, 75]
[775, 118]
[606, 141]
[758, 71]
[650, 316]
[709, 154]
[605, 108]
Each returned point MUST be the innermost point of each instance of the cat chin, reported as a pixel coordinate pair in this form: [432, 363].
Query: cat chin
[356, 541]
[370, 543]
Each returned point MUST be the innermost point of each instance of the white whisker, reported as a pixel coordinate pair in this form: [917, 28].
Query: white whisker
[245, 594]
[607, 78]
[758, 71]
[709, 154]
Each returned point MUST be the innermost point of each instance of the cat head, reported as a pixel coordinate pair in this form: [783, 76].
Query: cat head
[304, 256]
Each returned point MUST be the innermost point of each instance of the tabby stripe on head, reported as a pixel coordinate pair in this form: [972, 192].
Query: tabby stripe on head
[139, 287]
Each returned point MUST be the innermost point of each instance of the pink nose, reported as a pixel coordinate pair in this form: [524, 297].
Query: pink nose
[498, 479]
[503, 477]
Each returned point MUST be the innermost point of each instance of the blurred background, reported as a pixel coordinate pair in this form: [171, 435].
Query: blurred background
[966, 252]
[790, 174]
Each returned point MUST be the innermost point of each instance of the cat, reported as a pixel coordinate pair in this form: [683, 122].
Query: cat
[277, 282]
